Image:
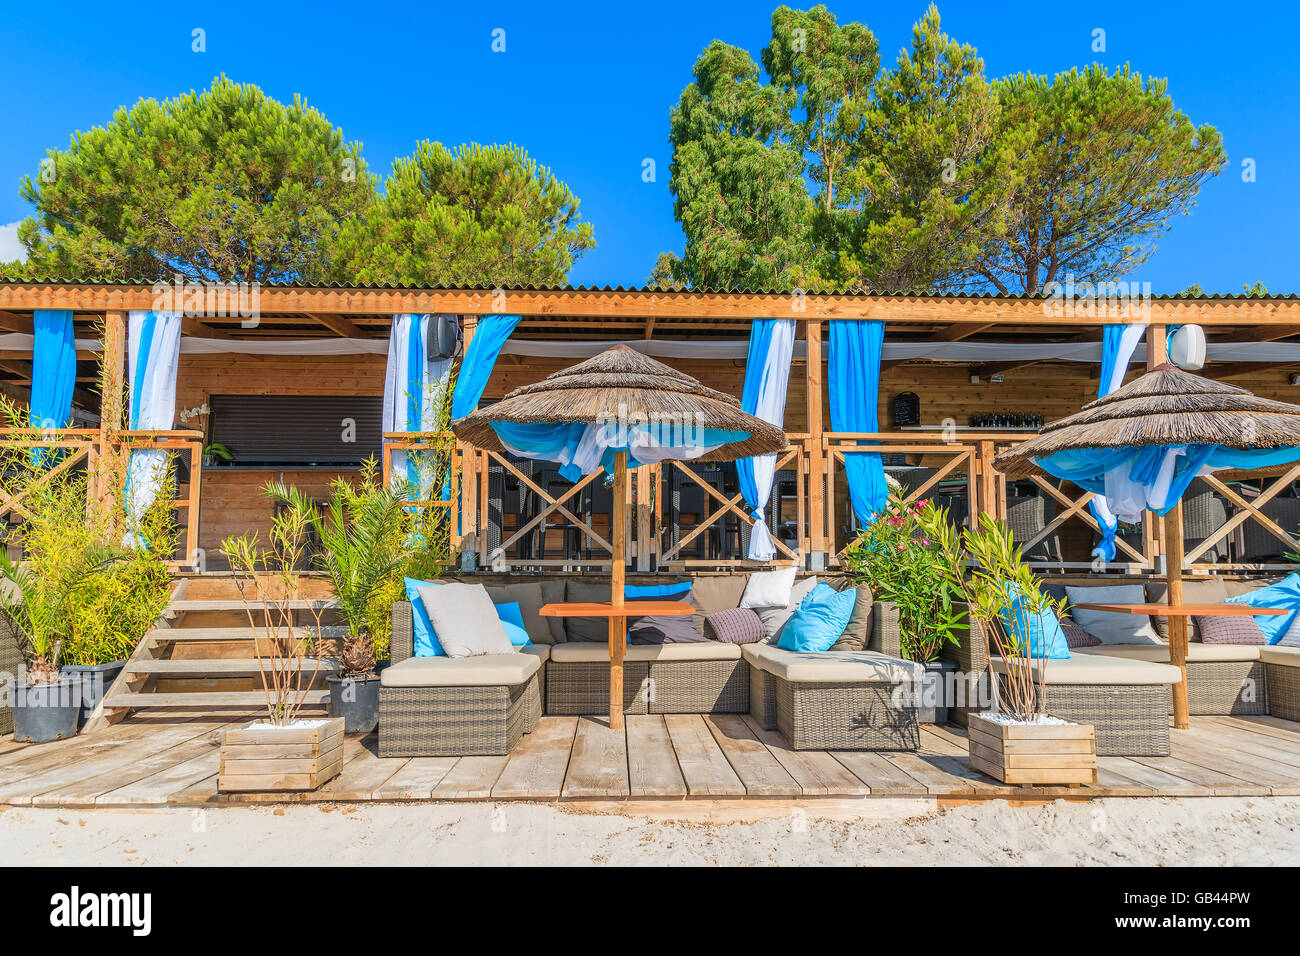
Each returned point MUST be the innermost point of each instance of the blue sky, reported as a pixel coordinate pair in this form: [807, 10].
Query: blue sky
[587, 90]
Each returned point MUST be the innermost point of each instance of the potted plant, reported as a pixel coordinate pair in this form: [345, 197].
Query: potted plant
[215, 452]
[286, 751]
[896, 556]
[1018, 742]
[367, 535]
[79, 602]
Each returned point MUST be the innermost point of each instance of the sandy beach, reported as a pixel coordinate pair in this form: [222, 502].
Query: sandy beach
[1173, 832]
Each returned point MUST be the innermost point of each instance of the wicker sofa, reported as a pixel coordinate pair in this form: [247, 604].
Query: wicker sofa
[1128, 702]
[440, 706]
[1222, 679]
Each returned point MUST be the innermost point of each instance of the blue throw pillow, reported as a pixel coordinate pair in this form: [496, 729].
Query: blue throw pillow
[1286, 593]
[820, 619]
[1046, 638]
[512, 619]
[426, 640]
[651, 592]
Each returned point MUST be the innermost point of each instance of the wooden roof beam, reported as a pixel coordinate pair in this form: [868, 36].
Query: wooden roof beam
[1264, 333]
[1217, 370]
[953, 333]
[340, 325]
[13, 322]
[201, 330]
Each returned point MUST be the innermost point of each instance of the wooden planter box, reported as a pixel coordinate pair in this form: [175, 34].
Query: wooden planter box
[299, 758]
[1033, 753]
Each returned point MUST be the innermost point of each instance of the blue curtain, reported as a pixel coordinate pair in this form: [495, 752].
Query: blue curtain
[1118, 343]
[853, 370]
[54, 368]
[767, 377]
[480, 357]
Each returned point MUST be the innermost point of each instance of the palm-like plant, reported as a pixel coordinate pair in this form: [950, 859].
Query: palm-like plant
[365, 531]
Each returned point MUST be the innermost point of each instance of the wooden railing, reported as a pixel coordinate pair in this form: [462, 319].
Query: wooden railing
[96, 450]
[959, 462]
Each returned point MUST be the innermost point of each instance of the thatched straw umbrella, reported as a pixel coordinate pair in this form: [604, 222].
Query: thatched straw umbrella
[623, 389]
[1168, 407]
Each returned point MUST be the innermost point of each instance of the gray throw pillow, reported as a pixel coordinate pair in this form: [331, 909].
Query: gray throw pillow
[1107, 626]
[530, 598]
[586, 628]
[1291, 637]
[663, 630]
[465, 620]
[857, 633]
[553, 593]
[774, 618]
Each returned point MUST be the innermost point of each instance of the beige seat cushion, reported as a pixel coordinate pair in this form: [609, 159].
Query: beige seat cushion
[1100, 669]
[846, 667]
[581, 653]
[1160, 652]
[1287, 656]
[541, 651]
[483, 670]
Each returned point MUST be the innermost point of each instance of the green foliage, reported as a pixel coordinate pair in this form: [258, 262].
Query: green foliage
[834, 173]
[224, 185]
[1099, 165]
[479, 216]
[896, 555]
[365, 534]
[79, 595]
[985, 566]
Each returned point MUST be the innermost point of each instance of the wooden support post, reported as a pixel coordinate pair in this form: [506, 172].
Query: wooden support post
[643, 549]
[817, 502]
[464, 513]
[988, 503]
[617, 577]
[1177, 623]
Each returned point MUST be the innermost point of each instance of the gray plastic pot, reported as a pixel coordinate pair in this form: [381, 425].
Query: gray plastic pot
[356, 700]
[936, 692]
[96, 679]
[45, 712]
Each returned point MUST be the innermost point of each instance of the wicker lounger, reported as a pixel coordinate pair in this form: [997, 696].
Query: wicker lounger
[452, 721]
[1129, 719]
[649, 686]
[1282, 665]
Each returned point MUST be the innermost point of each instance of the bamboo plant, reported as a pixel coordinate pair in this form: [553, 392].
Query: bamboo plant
[1003, 598]
[368, 536]
[268, 582]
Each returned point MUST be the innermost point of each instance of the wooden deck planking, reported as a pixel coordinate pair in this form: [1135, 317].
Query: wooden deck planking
[755, 765]
[416, 780]
[817, 773]
[471, 779]
[598, 762]
[537, 765]
[704, 768]
[652, 769]
[152, 761]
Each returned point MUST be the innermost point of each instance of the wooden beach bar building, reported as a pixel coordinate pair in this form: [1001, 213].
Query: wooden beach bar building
[292, 382]
[293, 388]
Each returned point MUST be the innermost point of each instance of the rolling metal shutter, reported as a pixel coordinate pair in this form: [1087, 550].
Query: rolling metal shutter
[298, 429]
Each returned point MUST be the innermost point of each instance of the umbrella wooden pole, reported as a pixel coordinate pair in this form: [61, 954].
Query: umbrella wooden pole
[617, 625]
[1174, 598]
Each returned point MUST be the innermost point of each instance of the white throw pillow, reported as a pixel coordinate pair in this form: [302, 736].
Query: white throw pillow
[768, 588]
[774, 618]
[1108, 626]
[465, 620]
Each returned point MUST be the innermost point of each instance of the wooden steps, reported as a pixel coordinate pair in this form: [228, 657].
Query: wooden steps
[222, 666]
[183, 605]
[204, 700]
[171, 668]
[168, 635]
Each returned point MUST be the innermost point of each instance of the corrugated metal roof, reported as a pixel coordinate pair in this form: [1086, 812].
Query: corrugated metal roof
[635, 289]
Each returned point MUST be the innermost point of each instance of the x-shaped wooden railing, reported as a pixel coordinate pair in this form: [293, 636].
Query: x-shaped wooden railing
[1247, 510]
[550, 506]
[732, 505]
